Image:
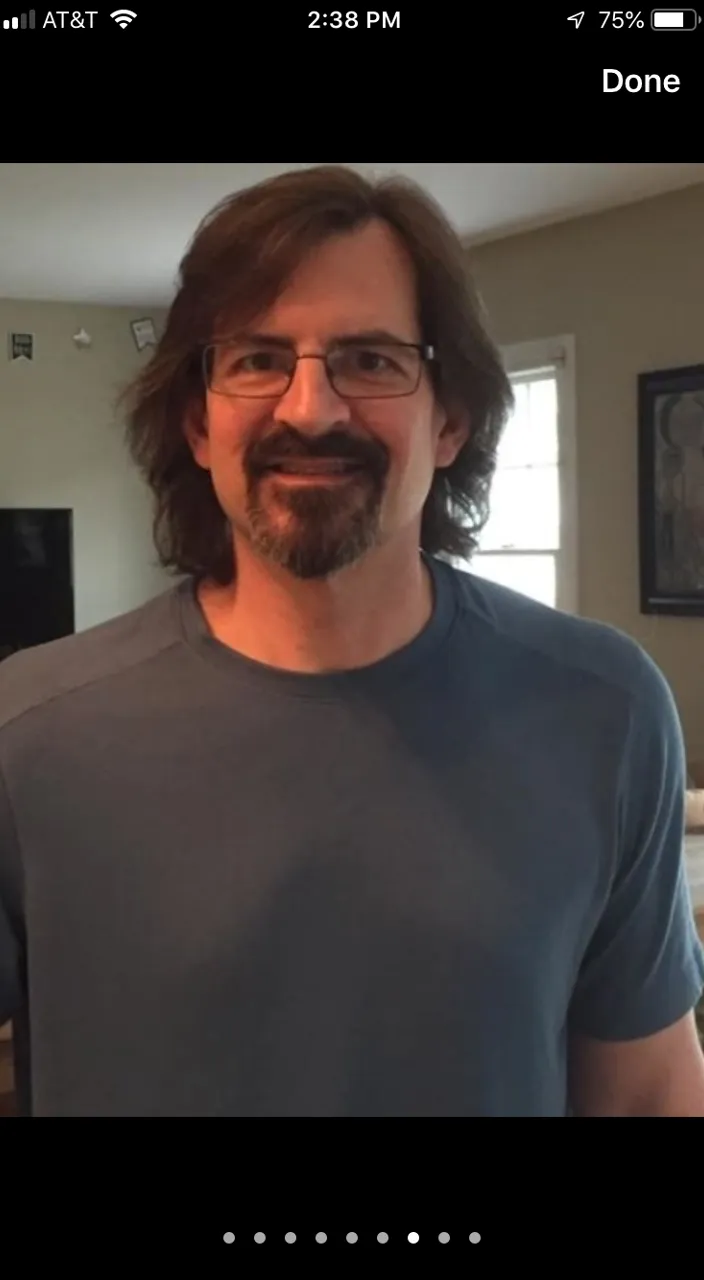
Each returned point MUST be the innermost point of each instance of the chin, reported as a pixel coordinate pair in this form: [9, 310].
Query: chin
[315, 562]
[318, 536]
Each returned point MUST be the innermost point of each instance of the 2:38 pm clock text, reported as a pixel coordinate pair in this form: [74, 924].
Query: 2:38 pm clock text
[352, 19]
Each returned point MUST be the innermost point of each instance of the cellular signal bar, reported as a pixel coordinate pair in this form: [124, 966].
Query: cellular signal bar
[22, 23]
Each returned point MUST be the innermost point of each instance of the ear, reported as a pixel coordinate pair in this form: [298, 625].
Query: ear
[196, 433]
[454, 433]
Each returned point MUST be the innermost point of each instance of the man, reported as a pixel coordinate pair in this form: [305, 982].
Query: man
[333, 828]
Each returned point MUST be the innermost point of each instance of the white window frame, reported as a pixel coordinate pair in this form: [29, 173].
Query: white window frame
[557, 355]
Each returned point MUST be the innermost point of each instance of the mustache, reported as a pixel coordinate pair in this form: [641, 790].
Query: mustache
[261, 454]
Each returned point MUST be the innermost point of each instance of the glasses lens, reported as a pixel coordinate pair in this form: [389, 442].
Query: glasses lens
[371, 370]
[249, 371]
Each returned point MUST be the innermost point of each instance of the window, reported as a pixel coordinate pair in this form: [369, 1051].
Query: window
[530, 540]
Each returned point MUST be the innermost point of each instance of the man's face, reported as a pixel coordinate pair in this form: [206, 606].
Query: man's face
[311, 480]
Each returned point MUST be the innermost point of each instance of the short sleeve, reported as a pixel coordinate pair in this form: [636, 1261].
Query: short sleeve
[644, 966]
[11, 997]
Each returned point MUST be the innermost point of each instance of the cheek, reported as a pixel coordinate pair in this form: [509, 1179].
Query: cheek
[411, 442]
[227, 434]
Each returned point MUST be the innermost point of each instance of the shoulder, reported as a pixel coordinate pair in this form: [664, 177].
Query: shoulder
[600, 682]
[32, 678]
[573, 648]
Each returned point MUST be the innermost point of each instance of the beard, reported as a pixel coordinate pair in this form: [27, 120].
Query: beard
[316, 529]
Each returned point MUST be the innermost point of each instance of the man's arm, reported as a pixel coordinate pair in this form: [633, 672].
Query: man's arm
[657, 1075]
[633, 1044]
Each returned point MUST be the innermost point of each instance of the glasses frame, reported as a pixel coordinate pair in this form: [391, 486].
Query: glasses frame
[425, 349]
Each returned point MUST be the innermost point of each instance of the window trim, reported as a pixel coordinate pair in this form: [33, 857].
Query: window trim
[557, 355]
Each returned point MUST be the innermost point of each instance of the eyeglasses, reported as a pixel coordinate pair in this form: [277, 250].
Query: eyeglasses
[355, 370]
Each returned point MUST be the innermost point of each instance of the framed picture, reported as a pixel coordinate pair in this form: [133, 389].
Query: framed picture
[671, 491]
[21, 346]
[143, 333]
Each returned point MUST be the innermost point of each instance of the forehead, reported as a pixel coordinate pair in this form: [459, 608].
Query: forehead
[358, 280]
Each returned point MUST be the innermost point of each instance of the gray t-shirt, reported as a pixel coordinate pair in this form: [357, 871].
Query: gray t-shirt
[231, 890]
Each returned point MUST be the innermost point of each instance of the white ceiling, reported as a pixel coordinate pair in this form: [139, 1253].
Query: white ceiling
[114, 233]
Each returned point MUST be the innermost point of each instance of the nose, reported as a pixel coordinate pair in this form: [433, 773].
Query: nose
[311, 404]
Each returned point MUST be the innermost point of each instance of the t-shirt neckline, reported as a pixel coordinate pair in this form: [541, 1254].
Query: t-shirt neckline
[395, 666]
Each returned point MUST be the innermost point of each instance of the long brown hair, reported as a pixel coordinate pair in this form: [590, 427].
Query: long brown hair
[241, 256]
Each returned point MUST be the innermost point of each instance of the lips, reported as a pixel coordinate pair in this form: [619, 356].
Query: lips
[315, 466]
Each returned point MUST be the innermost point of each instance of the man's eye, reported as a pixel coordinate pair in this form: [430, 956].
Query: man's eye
[259, 362]
[367, 360]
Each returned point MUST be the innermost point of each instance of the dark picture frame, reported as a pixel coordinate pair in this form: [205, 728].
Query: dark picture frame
[671, 491]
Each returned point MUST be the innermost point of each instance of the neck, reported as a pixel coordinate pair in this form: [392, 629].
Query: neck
[356, 618]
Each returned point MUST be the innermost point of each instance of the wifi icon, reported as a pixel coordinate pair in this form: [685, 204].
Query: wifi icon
[123, 17]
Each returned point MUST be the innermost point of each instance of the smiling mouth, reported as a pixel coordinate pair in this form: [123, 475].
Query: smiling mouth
[314, 467]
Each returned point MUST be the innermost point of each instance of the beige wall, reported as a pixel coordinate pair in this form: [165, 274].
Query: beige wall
[61, 446]
[629, 285]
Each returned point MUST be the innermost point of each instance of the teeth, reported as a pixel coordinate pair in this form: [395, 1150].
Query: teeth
[314, 467]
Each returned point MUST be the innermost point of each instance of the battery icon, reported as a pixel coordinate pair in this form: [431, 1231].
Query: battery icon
[674, 19]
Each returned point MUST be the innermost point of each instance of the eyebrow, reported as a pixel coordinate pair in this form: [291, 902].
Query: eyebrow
[342, 340]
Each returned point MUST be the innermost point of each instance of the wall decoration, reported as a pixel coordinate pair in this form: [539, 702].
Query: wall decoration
[143, 333]
[21, 346]
[671, 490]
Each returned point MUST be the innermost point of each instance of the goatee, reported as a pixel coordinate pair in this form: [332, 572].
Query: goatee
[320, 531]
[314, 529]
